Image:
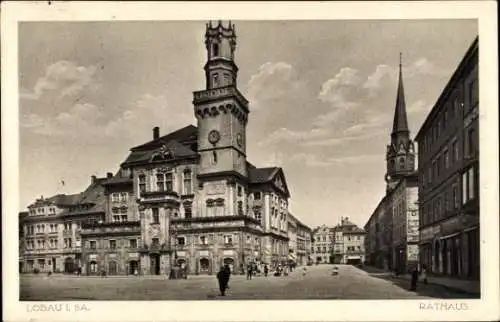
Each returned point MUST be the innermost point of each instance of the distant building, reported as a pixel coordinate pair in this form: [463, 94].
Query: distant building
[449, 176]
[51, 239]
[348, 243]
[299, 240]
[375, 239]
[402, 203]
[323, 244]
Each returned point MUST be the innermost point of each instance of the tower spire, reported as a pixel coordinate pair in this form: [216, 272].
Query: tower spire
[400, 123]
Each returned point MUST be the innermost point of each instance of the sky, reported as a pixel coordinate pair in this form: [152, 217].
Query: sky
[322, 97]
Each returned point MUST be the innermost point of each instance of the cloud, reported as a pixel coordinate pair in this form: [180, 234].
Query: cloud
[273, 80]
[80, 120]
[312, 160]
[62, 78]
[386, 76]
[342, 92]
[148, 111]
[296, 137]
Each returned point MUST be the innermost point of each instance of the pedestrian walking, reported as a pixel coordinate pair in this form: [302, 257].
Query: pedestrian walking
[304, 271]
[249, 271]
[266, 270]
[423, 273]
[414, 278]
[223, 279]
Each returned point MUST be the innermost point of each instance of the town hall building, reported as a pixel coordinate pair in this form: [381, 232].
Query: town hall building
[190, 197]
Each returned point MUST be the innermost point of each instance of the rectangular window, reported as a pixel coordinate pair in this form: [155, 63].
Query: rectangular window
[188, 212]
[93, 244]
[454, 151]
[446, 159]
[114, 197]
[142, 183]
[155, 242]
[464, 187]
[257, 195]
[156, 215]
[471, 183]
[160, 182]
[455, 197]
[470, 147]
[169, 182]
[228, 239]
[124, 196]
[181, 241]
[203, 240]
[187, 182]
[112, 244]
[132, 243]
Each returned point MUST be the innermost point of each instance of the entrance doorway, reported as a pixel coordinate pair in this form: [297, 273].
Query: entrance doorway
[54, 266]
[155, 264]
[69, 265]
[132, 267]
[112, 268]
[204, 265]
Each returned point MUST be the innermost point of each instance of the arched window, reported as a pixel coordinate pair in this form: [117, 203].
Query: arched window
[402, 161]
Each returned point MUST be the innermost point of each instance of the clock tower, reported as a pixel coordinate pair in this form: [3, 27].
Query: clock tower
[221, 110]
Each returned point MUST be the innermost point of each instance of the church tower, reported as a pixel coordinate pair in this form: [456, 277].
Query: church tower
[400, 155]
[222, 115]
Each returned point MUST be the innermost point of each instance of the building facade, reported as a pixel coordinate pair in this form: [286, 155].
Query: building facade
[449, 176]
[299, 241]
[323, 244]
[187, 198]
[51, 229]
[402, 203]
[348, 243]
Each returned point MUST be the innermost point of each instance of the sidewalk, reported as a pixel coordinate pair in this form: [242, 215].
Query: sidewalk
[467, 286]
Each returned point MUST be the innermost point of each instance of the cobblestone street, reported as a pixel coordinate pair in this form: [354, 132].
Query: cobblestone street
[351, 283]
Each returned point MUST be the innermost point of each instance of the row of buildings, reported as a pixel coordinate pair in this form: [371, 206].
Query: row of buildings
[341, 244]
[430, 216]
[188, 198]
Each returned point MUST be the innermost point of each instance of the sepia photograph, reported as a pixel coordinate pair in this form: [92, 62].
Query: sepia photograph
[231, 159]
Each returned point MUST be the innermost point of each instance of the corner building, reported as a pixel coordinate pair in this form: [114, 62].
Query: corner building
[191, 197]
[448, 170]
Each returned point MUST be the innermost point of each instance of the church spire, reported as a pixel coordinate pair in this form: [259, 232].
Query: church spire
[400, 123]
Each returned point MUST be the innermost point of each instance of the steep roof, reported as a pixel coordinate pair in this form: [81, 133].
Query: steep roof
[65, 200]
[273, 175]
[176, 151]
[186, 134]
[400, 123]
[262, 175]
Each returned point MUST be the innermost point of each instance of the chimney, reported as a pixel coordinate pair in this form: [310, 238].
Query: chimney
[109, 175]
[93, 179]
[156, 133]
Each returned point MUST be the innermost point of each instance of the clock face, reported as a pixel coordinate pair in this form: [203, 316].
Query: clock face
[213, 136]
[239, 140]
